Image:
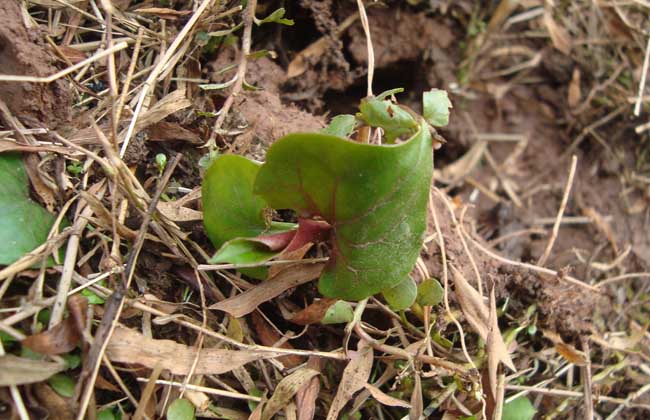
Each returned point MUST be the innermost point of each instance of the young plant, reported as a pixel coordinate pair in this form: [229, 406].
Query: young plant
[368, 201]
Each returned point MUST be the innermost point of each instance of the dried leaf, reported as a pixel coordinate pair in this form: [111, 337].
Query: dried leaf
[171, 103]
[355, 377]
[574, 94]
[455, 171]
[129, 346]
[164, 12]
[57, 407]
[10, 146]
[417, 404]
[72, 54]
[307, 395]
[246, 302]
[314, 313]
[478, 316]
[286, 389]
[19, 371]
[492, 344]
[269, 337]
[386, 399]
[177, 213]
[169, 131]
[65, 336]
[559, 36]
[565, 350]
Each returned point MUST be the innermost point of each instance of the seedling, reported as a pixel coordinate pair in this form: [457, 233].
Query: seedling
[367, 201]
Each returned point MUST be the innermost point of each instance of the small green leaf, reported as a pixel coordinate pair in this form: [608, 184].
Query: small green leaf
[252, 405]
[243, 251]
[106, 414]
[436, 105]
[430, 293]
[374, 197]
[275, 17]
[72, 361]
[339, 313]
[394, 120]
[24, 224]
[92, 297]
[62, 384]
[518, 409]
[180, 409]
[230, 210]
[401, 296]
[341, 126]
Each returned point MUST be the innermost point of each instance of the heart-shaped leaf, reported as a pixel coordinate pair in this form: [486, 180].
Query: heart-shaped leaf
[401, 296]
[374, 197]
[24, 224]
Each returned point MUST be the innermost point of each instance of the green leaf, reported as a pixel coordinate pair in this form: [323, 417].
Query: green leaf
[24, 224]
[374, 197]
[72, 361]
[394, 120]
[430, 293]
[180, 409]
[62, 384]
[518, 409]
[276, 17]
[106, 414]
[230, 210]
[436, 106]
[92, 297]
[243, 251]
[341, 126]
[389, 92]
[401, 296]
[339, 313]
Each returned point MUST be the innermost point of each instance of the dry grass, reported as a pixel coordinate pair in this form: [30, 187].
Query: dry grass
[423, 362]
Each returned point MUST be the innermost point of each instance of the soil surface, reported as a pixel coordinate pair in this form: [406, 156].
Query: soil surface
[518, 117]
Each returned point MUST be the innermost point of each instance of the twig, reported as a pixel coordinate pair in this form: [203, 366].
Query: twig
[249, 14]
[64, 72]
[644, 74]
[533, 267]
[211, 391]
[586, 380]
[108, 321]
[148, 84]
[558, 220]
[615, 279]
[214, 267]
[371, 51]
[445, 278]
[58, 309]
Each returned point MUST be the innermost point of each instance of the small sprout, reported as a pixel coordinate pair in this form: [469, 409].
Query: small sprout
[161, 162]
[75, 168]
[275, 17]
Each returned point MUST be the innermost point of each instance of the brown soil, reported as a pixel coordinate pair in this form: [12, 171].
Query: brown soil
[418, 50]
[24, 52]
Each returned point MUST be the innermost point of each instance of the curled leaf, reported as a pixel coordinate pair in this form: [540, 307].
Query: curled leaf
[401, 296]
